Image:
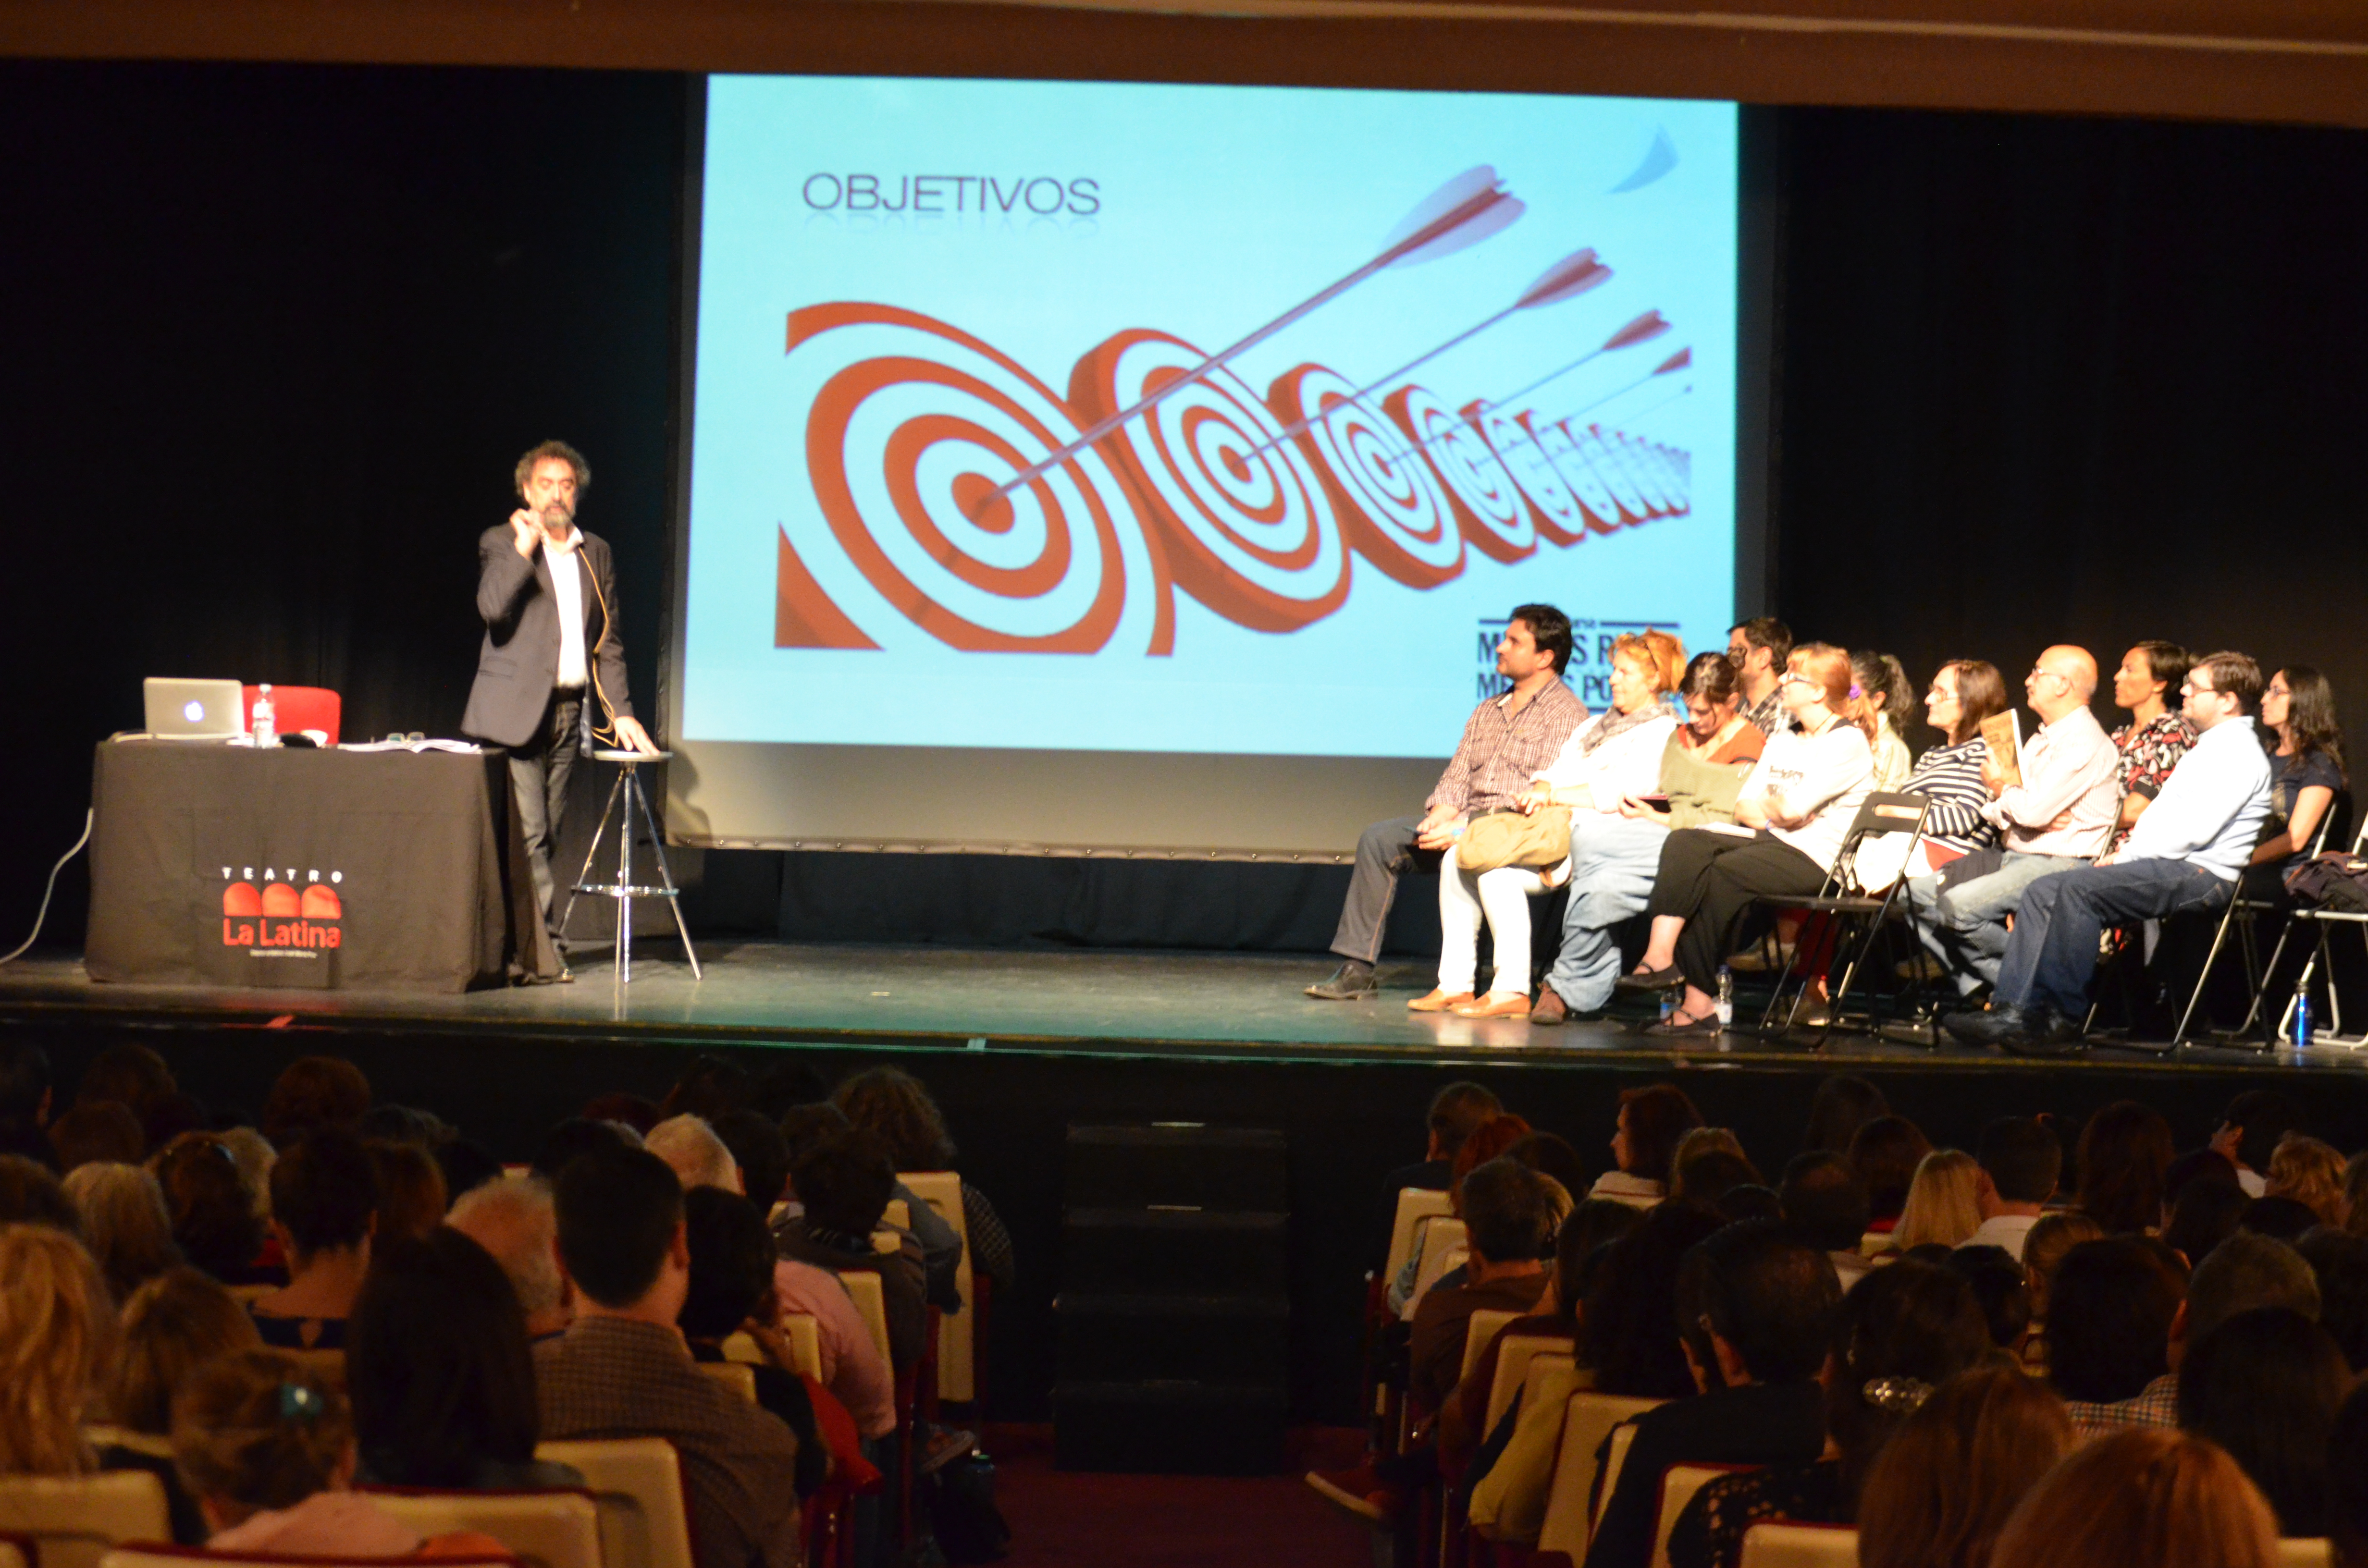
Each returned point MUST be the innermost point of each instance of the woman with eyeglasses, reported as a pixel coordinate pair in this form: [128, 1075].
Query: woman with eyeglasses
[2307, 763]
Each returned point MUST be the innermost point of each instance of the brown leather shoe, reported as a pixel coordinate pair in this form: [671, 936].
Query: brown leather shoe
[1495, 1005]
[1550, 1007]
[1439, 1002]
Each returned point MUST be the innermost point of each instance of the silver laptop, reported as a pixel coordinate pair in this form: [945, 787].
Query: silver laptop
[194, 710]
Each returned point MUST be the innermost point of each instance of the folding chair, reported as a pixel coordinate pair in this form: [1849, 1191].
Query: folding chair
[637, 1484]
[1679, 1485]
[1800, 1546]
[1844, 901]
[2318, 919]
[557, 1528]
[2240, 913]
[71, 1521]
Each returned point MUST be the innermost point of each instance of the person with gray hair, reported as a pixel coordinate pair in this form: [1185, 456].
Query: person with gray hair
[513, 1219]
[697, 1156]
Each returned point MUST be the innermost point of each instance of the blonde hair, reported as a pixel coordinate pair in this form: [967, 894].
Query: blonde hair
[123, 1222]
[2146, 1497]
[1663, 656]
[257, 1429]
[2309, 1171]
[56, 1330]
[1830, 667]
[1946, 1480]
[1940, 1202]
[174, 1322]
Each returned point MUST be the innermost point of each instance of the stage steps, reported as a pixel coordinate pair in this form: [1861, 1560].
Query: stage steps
[1173, 1315]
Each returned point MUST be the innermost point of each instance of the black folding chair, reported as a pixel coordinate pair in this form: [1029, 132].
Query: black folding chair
[2319, 921]
[2241, 911]
[1844, 901]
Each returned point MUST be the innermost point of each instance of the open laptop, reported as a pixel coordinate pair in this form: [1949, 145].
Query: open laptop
[194, 710]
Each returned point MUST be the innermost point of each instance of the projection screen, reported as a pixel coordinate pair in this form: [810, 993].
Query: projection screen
[1117, 468]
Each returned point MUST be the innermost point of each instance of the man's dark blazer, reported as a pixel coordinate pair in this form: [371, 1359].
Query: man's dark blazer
[519, 665]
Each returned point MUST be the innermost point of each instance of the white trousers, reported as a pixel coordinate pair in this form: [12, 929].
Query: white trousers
[1502, 896]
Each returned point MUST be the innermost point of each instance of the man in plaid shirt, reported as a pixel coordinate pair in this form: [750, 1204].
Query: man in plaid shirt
[1508, 740]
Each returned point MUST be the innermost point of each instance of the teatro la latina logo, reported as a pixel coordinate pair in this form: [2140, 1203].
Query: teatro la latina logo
[290, 915]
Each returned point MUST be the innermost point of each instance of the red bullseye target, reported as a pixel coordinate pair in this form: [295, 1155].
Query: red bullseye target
[1389, 503]
[1487, 505]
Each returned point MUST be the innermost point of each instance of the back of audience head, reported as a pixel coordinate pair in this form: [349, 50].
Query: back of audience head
[1456, 1112]
[25, 1083]
[2252, 1126]
[2195, 1166]
[315, 1092]
[2243, 1273]
[1901, 1332]
[2208, 1212]
[436, 1365]
[2309, 1171]
[2265, 1385]
[406, 1124]
[697, 1155]
[1491, 1139]
[97, 1131]
[1628, 1329]
[465, 1166]
[2109, 1308]
[176, 1322]
[2002, 1288]
[1651, 1122]
[637, 1113]
[1886, 1153]
[2338, 1261]
[30, 1194]
[2020, 1160]
[513, 1219]
[1770, 1301]
[761, 1153]
[895, 1105]
[214, 1219]
[708, 1087]
[844, 1182]
[256, 1430]
[1591, 1226]
[133, 1076]
[56, 1331]
[731, 1263]
[1841, 1106]
[1707, 1177]
[252, 1155]
[1825, 1205]
[410, 1188]
[1943, 1202]
[2146, 1497]
[124, 1223]
[1553, 1157]
[1507, 1215]
[1750, 1201]
[1945, 1481]
[2123, 1153]
[620, 1214]
[2279, 1219]
[803, 1125]
[783, 1081]
[324, 1195]
[576, 1137]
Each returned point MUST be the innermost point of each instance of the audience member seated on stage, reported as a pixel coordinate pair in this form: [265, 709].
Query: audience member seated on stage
[124, 1223]
[578, 1136]
[2186, 853]
[171, 1325]
[1758, 649]
[844, 1182]
[2265, 1385]
[1629, 1327]
[899, 1111]
[1508, 741]
[1909, 1329]
[513, 1219]
[1883, 685]
[731, 1288]
[1825, 1207]
[623, 1370]
[2338, 1261]
[1772, 1304]
[439, 1374]
[1615, 853]
[267, 1447]
[1612, 757]
[1456, 1112]
[313, 1092]
[96, 1132]
[1885, 1154]
[1506, 1225]
[410, 1190]
[2311, 1174]
[2156, 736]
[56, 1324]
[214, 1220]
[1944, 1203]
[2251, 1129]
[1943, 1486]
[1799, 803]
[1964, 693]
[324, 1210]
[2111, 1304]
[2002, 1289]
[2124, 1158]
[2056, 818]
[2298, 707]
[1644, 1144]
[2020, 1160]
[2142, 1500]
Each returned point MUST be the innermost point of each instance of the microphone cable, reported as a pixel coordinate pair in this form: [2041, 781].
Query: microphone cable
[89, 817]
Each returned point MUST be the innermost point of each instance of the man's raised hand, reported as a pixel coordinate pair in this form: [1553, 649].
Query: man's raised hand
[525, 532]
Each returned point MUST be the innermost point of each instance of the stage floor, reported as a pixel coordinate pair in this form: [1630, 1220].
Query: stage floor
[1172, 1004]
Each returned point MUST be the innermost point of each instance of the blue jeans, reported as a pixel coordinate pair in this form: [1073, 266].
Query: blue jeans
[1612, 862]
[1966, 926]
[2054, 950]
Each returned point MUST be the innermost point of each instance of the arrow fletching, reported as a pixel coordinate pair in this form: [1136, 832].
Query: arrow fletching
[1572, 276]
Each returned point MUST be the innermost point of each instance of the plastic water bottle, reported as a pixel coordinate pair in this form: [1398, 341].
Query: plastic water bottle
[2302, 1022]
[1668, 1005]
[1725, 997]
[267, 731]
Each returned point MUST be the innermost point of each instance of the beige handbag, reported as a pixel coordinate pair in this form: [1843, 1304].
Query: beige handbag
[1509, 838]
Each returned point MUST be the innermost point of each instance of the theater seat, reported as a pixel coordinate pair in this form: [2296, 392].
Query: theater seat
[554, 1529]
[1800, 1546]
[958, 1333]
[1416, 1205]
[193, 1557]
[863, 1288]
[738, 1376]
[637, 1481]
[1679, 1485]
[71, 1521]
[295, 709]
[1586, 1421]
[1479, 1329]
[2304, 1551]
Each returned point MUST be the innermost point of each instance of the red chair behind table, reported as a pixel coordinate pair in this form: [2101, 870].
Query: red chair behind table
[295, 709]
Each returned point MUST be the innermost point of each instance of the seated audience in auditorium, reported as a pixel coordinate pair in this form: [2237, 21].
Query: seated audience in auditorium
[2158, 735]
[2123, 1157]
[1612, 757]
[1842, 1104]
[1943, 1485]
[2310, 1173]
[1497, 1136]
[1825, 1207]
[1644, 1144]
[2347, 1478]
[1885, 1154]
[1506, 1226]
[2142, 1499]
[2281, 1219]
[324, 1210]
[1616, 852]
[577, 1136]
[1705, 1174]
[2306, 776]
[2057, 1233]
[26, 1091]
[2109, 1306]
[513, 1219]
[133, 1076]
[2186, 853]
[1508, 741]
[410, 1190]
[56, 1326]
[621, 1369]
[96, 1132]
[2056, 818]
[1944, 1203]
[214, 1219]
[2020, 1160]
[1800, 802]
[731, 1288]
[2265, 1385]
[1759, 649]
[1456, 1112]
[31, 1193]
[761, 1153]
[1882, 683]
[313, 1092]
[898, 1109]
[844, 1181]
[693, 1151]
[1907, 1329]
[2338, 1261]
[124, 1223]
[635, 1113]
[1772, 1304]
[2251, 1129]
[2003, 1290]
[1628, 1327]
[171, 1325]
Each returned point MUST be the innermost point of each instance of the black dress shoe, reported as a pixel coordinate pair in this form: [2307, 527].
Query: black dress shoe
[2045, 1032]
[1652, 979]
[1985, 1029]
[1352, 982]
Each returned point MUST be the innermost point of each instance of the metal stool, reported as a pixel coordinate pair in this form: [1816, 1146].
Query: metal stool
[628, 785]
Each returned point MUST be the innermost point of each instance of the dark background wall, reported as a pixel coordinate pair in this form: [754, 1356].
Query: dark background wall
[274, 335]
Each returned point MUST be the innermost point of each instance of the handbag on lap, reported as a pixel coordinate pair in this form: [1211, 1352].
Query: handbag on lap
[1510, 838]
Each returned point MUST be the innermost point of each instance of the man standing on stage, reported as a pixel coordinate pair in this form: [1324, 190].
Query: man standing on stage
[547, 592]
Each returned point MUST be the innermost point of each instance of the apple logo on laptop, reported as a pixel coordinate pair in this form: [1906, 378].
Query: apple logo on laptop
[193, 711]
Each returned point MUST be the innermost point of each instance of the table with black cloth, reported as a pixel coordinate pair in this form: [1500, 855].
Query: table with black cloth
[288, 867]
